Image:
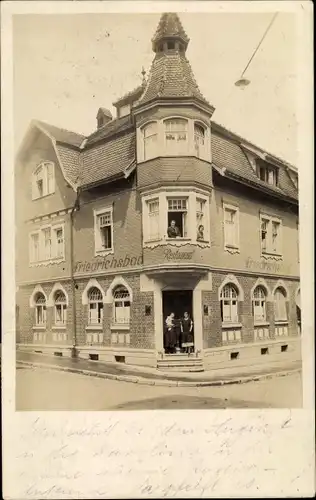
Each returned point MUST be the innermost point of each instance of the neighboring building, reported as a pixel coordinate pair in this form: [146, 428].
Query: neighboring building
[98, 268]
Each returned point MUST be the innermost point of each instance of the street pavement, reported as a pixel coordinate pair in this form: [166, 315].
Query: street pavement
[41, 389]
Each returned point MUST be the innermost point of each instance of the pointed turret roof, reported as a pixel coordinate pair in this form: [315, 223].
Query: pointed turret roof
[170, 27]
[171, 76]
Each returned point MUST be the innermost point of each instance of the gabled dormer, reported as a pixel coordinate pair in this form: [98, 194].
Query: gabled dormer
[267, 173]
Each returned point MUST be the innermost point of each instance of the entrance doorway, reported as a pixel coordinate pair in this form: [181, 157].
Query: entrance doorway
[177, 302]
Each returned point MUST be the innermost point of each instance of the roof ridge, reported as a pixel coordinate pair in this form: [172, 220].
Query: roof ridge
[59, 128]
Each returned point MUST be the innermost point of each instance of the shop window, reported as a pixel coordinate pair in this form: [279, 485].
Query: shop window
[176, 136]
[177, 217]
[122, 306]
[259, 304]
[60, 304]
[270, 235]
[150, 137]
[95, 306]
[229, 304]
[43, 180]
[199, 140]
[40, 310]
[103, 231]
[280, 313]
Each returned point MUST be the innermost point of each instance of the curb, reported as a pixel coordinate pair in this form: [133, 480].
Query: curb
[162, 382]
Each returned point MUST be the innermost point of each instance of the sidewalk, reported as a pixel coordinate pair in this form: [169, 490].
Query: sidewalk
[152, 376]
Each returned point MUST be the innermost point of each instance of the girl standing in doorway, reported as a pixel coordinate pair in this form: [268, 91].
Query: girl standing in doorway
[187, 332]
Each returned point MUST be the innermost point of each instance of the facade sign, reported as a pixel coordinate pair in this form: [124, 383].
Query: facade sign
[177, 255]
[274, 267]
[107, 263]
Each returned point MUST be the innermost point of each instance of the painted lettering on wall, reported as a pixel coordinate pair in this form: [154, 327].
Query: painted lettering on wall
[177, 255]
[107, 263]
[275, 267]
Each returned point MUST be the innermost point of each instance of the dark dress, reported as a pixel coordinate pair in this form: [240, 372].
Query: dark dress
[187, 335]
[170, 337]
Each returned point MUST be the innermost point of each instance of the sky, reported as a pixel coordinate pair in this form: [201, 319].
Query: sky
[66, 66]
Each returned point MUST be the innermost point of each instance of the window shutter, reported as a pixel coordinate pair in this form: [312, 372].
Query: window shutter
[93, 313]
[234, 313]
[97, 235]
[226, 311]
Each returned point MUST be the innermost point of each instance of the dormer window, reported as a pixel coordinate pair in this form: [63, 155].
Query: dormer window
[176, 135]
[43, 180]
[124, 110]
[267, 174]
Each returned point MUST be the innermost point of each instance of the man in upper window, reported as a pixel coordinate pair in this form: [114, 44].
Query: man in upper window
[173, 231]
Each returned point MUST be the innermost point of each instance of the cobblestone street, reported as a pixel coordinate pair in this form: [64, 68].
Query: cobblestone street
[43, 389]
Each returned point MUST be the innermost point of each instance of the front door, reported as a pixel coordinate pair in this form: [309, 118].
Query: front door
[177, 302]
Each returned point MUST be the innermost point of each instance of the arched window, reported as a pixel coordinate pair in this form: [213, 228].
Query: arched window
[43, 181]
[176, 134]
[259, 304]
[229, 304]
[122, 306]
[40, 309]
[150, 132]
[95, 304]
[60, 304]
[280, 313]
[199, 139]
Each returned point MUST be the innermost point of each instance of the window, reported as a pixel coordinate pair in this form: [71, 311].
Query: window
[47, 244]
[231, 227]
[170, 45]
[153, 222]
[259, 304]
[280, 313]
[177, 217]
[268, 175]
[176, 134]
[95, 305]
[199, 139]
[124, 110]
[150, 140]
[40, 310]
[103, 231]
[229, 307]
[270, 235]
[122, 306]
[43, 181]
[200, 216]
[60, 308]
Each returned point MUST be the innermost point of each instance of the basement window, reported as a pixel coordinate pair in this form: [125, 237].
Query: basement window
[234, 355]
[284, 348]
[264, 351]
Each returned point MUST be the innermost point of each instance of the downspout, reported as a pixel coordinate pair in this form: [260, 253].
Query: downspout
[72, 278]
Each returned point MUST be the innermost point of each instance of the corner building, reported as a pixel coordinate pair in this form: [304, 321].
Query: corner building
[98, 267]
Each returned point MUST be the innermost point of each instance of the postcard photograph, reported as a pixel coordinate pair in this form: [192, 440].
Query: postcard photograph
[157, 211]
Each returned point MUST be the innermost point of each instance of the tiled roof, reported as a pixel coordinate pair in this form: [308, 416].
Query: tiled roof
[62, 135]
[228, 155]
[70, 159]
[113, 127]
[133, 95]
[171, 76]
[107, 159]
[169, 26]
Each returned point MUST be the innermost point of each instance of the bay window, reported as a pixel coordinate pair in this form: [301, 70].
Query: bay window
[153, 219]
[200, 219]
[199, 140]
[176, 136]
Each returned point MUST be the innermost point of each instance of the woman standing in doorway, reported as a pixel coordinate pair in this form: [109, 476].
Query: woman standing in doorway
[187, 332]
[170, 334]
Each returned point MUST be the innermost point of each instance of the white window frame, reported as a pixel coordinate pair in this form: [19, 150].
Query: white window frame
[268, 170]
[95, 303]
[269, 249]
[277, 316]
[262, 306]
[63, 308]
[47, 169]
[235, 244]
[233, 317]
[98, 248]
[40, 306]
[177, 132]
[151, 140]
[184, 210]
[153, 215]
[43, 257]
[199, 148]
[122, 303]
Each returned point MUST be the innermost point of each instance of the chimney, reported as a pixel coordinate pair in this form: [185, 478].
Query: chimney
[104, 116]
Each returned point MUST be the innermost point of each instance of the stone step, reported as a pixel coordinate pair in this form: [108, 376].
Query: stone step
[187, 361]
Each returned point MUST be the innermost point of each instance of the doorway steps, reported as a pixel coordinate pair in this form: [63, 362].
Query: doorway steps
[180, 363]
